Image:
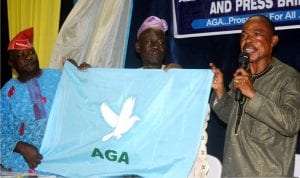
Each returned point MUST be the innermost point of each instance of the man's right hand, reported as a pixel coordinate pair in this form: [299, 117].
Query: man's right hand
[218, 81]
[84, 66]
[30, 154]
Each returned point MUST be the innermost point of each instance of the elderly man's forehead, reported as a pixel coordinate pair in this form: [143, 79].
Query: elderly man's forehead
[152, 31]
[15, 53]
[21, 51]
[260, 19]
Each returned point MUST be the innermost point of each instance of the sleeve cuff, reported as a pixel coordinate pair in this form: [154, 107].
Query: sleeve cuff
[255, 104]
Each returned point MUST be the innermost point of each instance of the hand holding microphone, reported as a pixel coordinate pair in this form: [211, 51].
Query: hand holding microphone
[242, 79]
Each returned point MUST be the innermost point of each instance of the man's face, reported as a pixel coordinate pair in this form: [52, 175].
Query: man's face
[24, 61]
[258, 40]
[151, 47]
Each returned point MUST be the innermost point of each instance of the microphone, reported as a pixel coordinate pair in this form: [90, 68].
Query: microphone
[243, 63]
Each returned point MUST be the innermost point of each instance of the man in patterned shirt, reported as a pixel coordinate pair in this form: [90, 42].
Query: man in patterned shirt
[25, 105]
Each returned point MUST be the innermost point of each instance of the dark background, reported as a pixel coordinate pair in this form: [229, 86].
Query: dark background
[195, 52]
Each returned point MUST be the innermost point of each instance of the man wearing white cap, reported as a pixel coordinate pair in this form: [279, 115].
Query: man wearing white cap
[151, 44]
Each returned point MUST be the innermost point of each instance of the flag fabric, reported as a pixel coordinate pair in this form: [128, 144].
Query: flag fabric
[114, 122]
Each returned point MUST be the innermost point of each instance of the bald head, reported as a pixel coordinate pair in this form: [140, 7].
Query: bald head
[268, 22]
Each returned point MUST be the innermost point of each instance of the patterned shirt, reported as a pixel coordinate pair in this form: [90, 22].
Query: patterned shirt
[24, 113]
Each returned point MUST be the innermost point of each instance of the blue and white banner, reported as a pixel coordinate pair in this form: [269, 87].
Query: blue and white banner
[211, 17]
[113, 122]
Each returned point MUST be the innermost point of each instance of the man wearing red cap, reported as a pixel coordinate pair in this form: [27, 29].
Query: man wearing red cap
[25, 105]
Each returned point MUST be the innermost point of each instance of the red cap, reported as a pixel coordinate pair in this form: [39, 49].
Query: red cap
[22, 40]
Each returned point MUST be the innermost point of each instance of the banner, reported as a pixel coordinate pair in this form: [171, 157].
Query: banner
[210, 17]
[113, 122]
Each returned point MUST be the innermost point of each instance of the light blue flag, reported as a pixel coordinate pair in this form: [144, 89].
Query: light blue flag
[112, 122]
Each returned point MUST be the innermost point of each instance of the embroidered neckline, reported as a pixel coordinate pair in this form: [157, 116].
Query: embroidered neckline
[266, 70]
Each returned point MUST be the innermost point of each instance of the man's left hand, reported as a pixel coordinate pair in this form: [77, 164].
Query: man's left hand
[172, 66]
[30, 154]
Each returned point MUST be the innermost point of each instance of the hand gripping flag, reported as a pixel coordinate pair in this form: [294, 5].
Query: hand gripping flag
[114, 122]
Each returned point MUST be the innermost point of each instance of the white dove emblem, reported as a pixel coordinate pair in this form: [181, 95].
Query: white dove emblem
[122, 122]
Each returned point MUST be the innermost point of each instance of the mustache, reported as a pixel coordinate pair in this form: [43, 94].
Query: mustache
[30, 61]
[249, 46]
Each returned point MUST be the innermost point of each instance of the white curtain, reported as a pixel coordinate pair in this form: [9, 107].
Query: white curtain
[96, 32]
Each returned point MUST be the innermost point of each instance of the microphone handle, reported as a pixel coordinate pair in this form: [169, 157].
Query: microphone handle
[238, 94]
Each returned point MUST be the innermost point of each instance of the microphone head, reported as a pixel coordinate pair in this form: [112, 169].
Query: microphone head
[244, 57]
